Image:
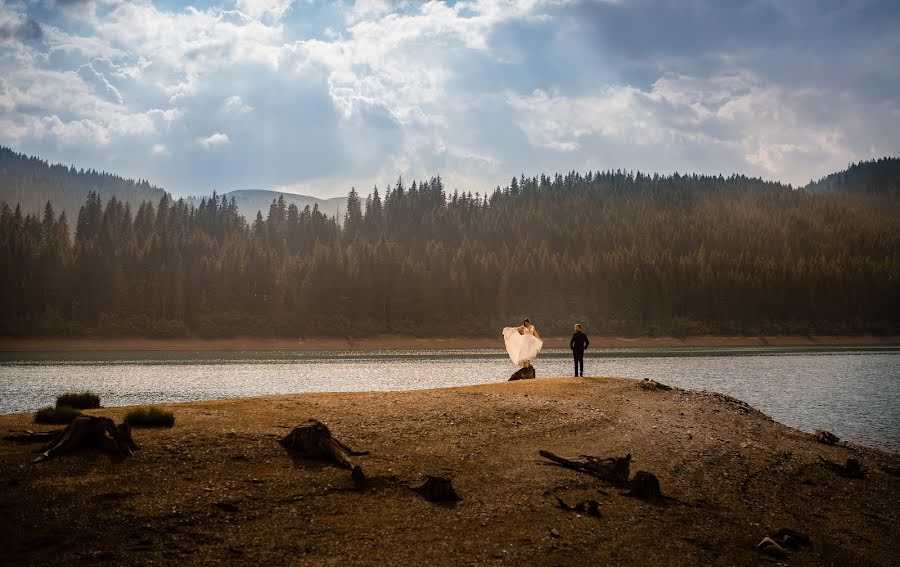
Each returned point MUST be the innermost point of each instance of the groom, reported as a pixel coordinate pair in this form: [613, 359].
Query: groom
[579, 344]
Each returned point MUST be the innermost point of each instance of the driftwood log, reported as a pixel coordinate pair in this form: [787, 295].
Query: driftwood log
[526, 373]
[614, 470]
[312, 440]
[86, 431]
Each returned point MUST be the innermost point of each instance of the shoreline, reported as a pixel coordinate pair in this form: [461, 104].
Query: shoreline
[218, 488]
[412, 343]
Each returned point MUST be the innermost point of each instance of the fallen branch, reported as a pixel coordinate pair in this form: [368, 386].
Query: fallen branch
[614, 470]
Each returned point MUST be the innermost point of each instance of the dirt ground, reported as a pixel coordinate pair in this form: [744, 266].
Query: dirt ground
[218, 487]
[408, 343]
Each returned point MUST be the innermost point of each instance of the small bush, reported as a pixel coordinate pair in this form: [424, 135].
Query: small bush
[149, 417]
[80, 400]
[59, 414]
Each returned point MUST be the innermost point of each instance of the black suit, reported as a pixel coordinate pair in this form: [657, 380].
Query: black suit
[579, 344]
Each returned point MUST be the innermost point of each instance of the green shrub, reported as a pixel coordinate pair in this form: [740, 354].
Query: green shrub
[149, 417]
[80, 400]
[59, 414]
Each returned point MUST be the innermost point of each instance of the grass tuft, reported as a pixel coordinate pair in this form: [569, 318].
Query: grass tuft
[59, 414]
[80, 400]
[149, 417]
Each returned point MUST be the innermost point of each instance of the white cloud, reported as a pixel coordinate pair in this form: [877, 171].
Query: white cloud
[214, 140]
[260, 9]
[97, 80]
[234, 106]
[159, 149]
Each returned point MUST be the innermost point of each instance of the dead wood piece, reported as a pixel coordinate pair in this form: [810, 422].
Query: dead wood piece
[526, 373]
[437, 489]
[853, 469]
[788, 538]
[312, 440]
[770, 547]
[826, 437]
[589, 507]
[645, 486]
[614, 470]
[649, 384]
[88, 431]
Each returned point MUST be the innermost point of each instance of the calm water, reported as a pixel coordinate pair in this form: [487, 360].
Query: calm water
[853, 392]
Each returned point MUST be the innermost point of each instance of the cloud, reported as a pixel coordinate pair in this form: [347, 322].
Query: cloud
[234, 106]
[329, 94]
[214, 140]
[260, 9]
[96, 79]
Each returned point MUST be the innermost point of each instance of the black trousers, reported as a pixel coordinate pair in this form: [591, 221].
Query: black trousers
[579, 362]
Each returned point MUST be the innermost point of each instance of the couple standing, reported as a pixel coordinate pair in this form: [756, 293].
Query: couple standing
[523, 343]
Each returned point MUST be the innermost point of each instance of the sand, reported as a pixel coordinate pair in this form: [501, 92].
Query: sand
[409, 343]
[218, 488]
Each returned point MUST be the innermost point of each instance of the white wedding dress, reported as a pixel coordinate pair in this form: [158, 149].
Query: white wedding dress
[522, 348]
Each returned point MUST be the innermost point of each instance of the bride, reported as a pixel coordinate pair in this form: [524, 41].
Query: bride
[523, 343]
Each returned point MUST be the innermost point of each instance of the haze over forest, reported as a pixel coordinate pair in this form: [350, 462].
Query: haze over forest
[624, 253]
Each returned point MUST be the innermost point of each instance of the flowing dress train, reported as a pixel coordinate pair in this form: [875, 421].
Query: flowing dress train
[522, 348]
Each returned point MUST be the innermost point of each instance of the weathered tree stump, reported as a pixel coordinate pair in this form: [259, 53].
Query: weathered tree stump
[645, 486]
[526, 373]
[853, 469]
[826, 437]
[312, 440]
[614, 470]
[438, 489]
[87, 431]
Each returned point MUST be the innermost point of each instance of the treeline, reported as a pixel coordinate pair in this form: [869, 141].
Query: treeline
[621, 253]
[30, 181]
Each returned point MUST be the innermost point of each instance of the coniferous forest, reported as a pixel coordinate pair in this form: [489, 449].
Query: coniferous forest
[622, 253]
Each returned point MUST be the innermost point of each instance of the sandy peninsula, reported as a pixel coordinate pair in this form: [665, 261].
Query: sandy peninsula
[218, 487]
[8, 344]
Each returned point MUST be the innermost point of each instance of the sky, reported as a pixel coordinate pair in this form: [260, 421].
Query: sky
[315, 97]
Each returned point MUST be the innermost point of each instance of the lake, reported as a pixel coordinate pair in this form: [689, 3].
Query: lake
[853, 392]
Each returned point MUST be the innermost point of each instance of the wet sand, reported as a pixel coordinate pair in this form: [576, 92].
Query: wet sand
[218, 488]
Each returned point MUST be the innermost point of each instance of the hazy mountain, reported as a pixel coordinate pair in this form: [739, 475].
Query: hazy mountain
[249, 201]
[881, 176]
[31, 182]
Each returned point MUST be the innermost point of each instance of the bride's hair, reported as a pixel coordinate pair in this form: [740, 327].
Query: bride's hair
[526, 321]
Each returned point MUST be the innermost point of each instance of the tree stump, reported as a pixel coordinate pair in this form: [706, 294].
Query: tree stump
[853, 468]
[645, 486]
[312, 440]
[613, 470]
[526, 373]
[87, 431]
[438, 489]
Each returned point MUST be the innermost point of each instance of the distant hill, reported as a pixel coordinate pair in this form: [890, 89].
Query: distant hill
[31, 182]
[249, 201]
[876, 177]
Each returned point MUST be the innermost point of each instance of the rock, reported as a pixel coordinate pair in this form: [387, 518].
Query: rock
[437, 489]
[526, 373]
[649, 384]
[826, 437]
[770, 547]
[645, 486]
[554, 533]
